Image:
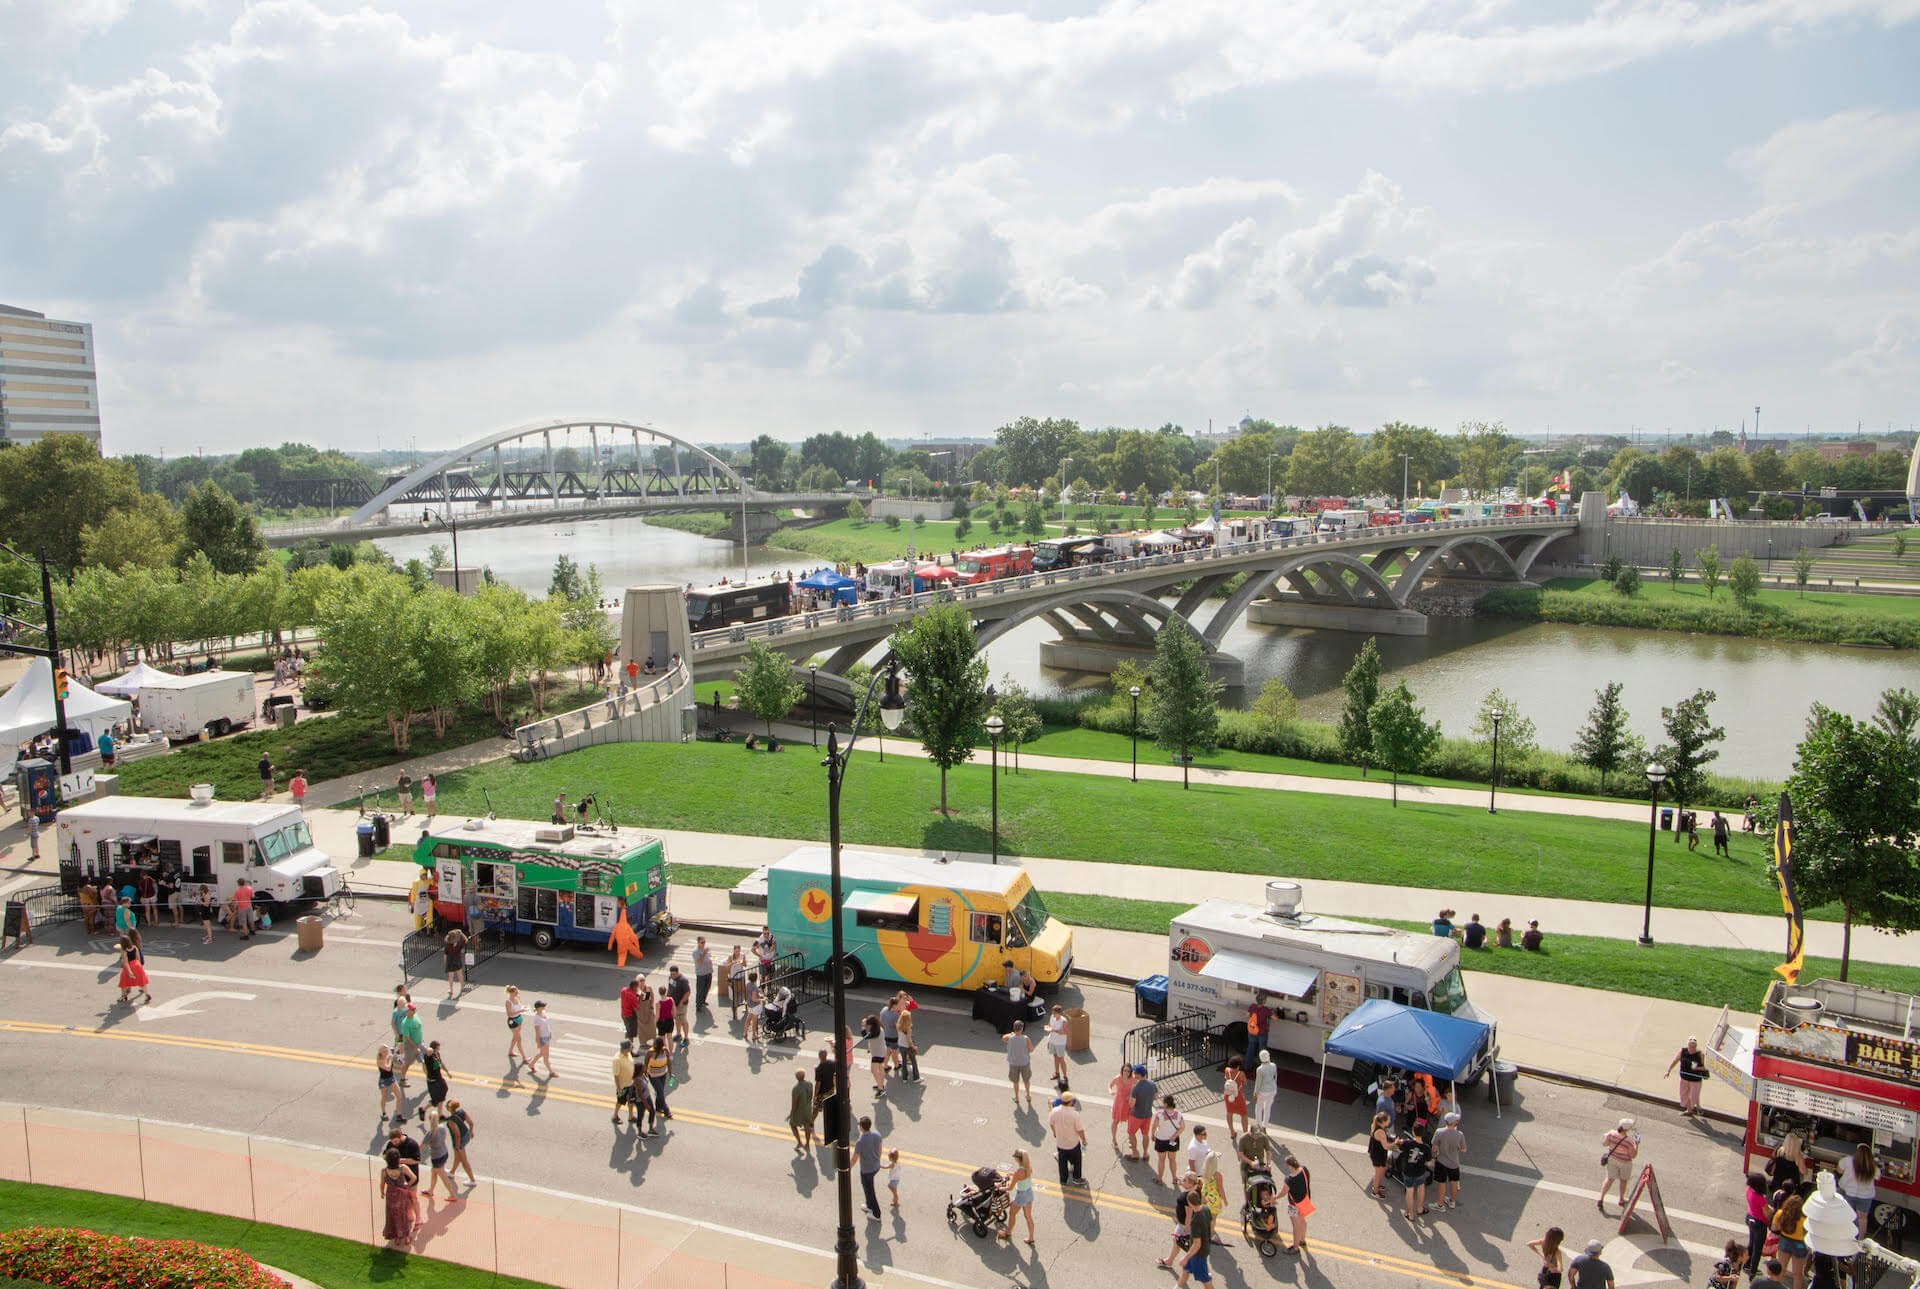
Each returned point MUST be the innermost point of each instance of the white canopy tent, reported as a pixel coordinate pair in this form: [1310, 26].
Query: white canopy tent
[26, 710]
[141, 677]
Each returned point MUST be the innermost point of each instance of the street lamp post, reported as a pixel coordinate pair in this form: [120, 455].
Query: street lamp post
[1133, 724]
[1406, 465]
[996, 727]
[892, 707]
[1271, 499]
[1493, 774]
[1656, 775]
[813, 677]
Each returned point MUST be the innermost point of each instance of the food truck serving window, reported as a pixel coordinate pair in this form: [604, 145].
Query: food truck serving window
[1833, 1124]
[1261, 973]
[885, 911]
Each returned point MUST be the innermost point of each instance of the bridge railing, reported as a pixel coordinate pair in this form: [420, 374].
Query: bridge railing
[907, 606]
[530, 740]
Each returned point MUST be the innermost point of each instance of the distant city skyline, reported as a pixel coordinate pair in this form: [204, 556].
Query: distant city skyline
[350, 225]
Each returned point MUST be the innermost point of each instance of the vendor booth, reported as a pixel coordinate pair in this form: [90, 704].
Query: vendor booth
[26, 710]
[832, 587]
[1408, 1038]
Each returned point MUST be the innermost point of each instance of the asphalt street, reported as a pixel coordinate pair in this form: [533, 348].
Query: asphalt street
[257, 1037]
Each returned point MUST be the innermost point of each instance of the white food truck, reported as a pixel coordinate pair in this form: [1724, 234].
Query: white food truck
[210, 843]
[1310, 969]
[214, 701]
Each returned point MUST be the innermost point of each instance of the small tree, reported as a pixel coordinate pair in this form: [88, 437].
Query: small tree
[1604, 741]
[1191, 513]
[1610, 567]
[566, 580]
[766, 683]
[1362, 685]
[1900, 545]
[1708, 562]
[1146, 505]
[1743, 581]
[947, 696]
[1628, 581]
[1676, 566]
[961, 529]
[893, 521]
[1015, 707]
[1184, 695]
[1276, 707]
[1036, 519]
[1402, 737]
[1802, 568]
[1690, 744]
[856, 512]
[1517, 734]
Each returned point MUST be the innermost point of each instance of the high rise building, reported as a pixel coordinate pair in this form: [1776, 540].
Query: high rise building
[47, 382]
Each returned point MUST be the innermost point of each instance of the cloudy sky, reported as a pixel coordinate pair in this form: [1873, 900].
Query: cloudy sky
[424, 221]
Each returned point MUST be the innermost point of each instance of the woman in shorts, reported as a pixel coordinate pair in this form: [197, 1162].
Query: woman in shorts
[516, 1016]
[876, 1052]
[209, 909]
[1167, 1126]
[383, 1062]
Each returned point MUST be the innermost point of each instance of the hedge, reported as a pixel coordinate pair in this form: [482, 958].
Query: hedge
[77, 1259]
[1537, 605]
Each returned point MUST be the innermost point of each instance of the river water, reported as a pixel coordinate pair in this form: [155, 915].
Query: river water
[1549, 670]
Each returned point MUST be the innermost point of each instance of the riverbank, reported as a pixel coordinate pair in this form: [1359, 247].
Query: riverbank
[1817, 617]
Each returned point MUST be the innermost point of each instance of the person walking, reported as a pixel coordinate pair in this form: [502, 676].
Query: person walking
[1121, 1085]
[396, 1191]
[428, 790]
[827, 1102]
[542, 1039]
[1449, 1148]
[453, 950]
[641, 1092]
[889, 1019]
[297, 787]
[702, 972]
[1057, 1044]
[893, 1179]
[1619, 1148]
[800, 1112]
[1184, 1202]
[1553, 1262]
[133, 972]
[460, 1136]
[630, 1009]
[905, 1008]
[383, 1064]
[433, 1144]
[681, 991]
[1233, 1095]
[435, 1067]
[1069, 1138]
[516, 1016]
[1721, 833]
[266, 776]
[1140, 1113]
[867, 1148]
[1266, 1084]
[623, 1085]
[1299, 1184]
[1200, 1227]
[876, 1041]
[1019, 1195]
[1020, 1061]
[659, 1068]
[1693, 1072]
[1168, 1124]
[412, 1041]
[1588, 1272]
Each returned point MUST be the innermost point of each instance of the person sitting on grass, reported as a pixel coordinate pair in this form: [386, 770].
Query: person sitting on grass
[1533, 939]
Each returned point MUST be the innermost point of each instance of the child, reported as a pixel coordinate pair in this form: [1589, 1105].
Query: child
[893, 1177]
[543, 1039]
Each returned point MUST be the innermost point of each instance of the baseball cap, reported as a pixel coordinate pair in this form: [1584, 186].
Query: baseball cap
[1596, 1248]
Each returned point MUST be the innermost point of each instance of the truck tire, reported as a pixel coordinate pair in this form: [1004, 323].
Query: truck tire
[219, 727]
[543, 938]
[852, 974]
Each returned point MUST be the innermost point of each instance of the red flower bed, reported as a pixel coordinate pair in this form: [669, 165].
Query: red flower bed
[75, 1259]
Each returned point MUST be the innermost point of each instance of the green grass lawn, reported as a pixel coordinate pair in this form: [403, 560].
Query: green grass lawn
[872, 541]
[711, 787]
[336, 1264]
[1786, 603]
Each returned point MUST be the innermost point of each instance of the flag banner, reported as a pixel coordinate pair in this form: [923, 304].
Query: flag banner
[1789, 970]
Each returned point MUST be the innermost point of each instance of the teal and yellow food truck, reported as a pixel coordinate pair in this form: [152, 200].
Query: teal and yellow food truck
[550, 882]
[920, 921]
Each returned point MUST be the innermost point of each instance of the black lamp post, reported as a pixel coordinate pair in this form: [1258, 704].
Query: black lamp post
[995, 728]
[813, 677]
[892, 708]
[1656, 775]
[1133, 723]
[1493, 774]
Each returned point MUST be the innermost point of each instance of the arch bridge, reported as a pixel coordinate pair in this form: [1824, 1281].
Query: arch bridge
[1362, 580]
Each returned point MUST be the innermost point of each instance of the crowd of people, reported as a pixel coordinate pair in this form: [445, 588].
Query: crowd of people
[1473, 934]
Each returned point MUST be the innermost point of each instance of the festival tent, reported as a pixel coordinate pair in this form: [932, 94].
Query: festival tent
[141, 677]
[840, 588]
[1408, 1038]
[1160, 539]
[26, 710]
[934, 573]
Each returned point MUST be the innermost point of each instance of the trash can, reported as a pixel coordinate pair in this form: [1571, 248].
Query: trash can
[382, 832]
[1666, 818]
[365, 833]
[309, 931]
[286, 715]
[1501, 1084]
[1079, 1030]
[1150, 998]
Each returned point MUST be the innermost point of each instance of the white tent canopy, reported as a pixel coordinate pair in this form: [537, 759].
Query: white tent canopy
[26, 710]
[141, 677]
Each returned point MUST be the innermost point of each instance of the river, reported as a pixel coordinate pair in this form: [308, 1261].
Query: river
[1549, 670]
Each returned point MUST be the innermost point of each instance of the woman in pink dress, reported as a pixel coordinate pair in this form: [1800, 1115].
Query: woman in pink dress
[1121, 1085]
[396, 1185]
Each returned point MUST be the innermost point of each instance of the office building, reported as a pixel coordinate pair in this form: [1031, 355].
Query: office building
[47, 382]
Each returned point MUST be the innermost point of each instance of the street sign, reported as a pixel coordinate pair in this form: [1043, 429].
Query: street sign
[1649, 1186]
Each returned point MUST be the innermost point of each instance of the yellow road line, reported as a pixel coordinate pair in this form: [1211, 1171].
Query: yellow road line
[1107, 1200]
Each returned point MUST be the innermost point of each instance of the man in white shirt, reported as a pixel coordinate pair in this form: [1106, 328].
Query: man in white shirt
[1069, 1138]
[1197, 1151]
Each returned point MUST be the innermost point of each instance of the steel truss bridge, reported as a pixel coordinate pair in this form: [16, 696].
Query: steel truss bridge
[1361, 580]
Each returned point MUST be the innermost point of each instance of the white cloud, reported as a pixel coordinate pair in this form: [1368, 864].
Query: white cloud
[1813, 163]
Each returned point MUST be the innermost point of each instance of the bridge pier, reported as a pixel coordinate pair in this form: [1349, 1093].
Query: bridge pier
[1100, 657]
[1337, 617]
[761, 524]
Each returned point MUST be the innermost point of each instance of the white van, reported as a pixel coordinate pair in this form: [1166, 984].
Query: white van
[210, 843]
[1310, 969]
[1339, 521]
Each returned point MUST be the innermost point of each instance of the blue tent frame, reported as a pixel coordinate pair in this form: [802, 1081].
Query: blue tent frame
[1426, 1042]
[845, 590]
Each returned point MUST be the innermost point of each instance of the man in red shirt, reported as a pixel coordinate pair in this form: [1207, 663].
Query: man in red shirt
[630, 1009]
[1259, 1018]
[243, 909]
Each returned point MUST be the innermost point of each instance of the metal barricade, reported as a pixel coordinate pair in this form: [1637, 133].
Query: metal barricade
[1176, 1052]
[46, 905]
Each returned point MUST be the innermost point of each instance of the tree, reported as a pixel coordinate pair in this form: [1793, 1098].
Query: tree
[767, 685]
[1900, 545]
[1015, 708]
[1276, 707]
[1802, 568]
[947, 696]
[1610, 567]
[1690, 744]
[1708, 562]
[1382, 470]
[1324, 462]
[856, 512]
[220, 527]
[566, 579]
[1676, 566]
[1035, 521]
[1743, 581]
[1856, 839]
[1604, 741]
[1627, 583]
[359, 657]
[146, 534]
[1362, 685]
[1517, 734]
[769, 461]
[1183, 696]
[55, 488]
[1146, 505]
[1032, 450]
[1401, 734]
[961, 529]
[1484, 452]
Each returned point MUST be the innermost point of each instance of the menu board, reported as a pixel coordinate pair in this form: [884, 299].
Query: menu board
[1839, 1109]
[1339, 995]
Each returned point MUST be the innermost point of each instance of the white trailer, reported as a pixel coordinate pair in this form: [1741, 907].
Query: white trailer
[209, 843]
[1310, 969]
[1337, 521]
[213, 701]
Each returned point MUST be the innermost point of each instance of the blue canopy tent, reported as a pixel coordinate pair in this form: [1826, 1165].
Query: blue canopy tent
[841, 589]
[1410, 1038]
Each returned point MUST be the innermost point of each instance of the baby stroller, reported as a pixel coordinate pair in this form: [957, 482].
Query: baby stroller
[983, 1201]
[783, 1022]
[1260, 1213]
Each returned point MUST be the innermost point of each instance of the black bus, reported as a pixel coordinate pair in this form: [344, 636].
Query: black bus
[722, 606]
[1070, 552]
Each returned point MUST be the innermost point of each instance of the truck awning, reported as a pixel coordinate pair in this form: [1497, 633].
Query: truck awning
[1261, 973]
[884, 903]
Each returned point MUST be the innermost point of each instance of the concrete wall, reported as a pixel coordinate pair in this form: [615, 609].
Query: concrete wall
[1648, 542]
[881, 507]
[647, 612]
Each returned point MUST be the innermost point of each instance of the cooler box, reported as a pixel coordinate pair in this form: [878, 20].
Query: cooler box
[1150, 998]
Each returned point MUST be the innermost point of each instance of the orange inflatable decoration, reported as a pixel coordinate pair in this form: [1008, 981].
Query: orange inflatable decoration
[624, 939]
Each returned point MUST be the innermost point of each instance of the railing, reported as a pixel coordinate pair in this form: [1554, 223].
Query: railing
[1175, 1051]
[531, 739]
[908, 605]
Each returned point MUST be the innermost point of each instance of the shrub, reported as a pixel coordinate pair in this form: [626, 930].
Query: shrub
[88, 1260]
[893, 521]
[1627, 582]
[1610, 567]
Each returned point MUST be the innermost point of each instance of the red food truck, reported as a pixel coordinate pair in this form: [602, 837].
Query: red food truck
[1001, 561]
[1839, 1065]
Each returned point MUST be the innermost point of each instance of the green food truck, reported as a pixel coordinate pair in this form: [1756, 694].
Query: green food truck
[550, 882]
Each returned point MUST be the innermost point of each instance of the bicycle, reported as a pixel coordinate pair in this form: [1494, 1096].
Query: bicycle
[340, 901]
